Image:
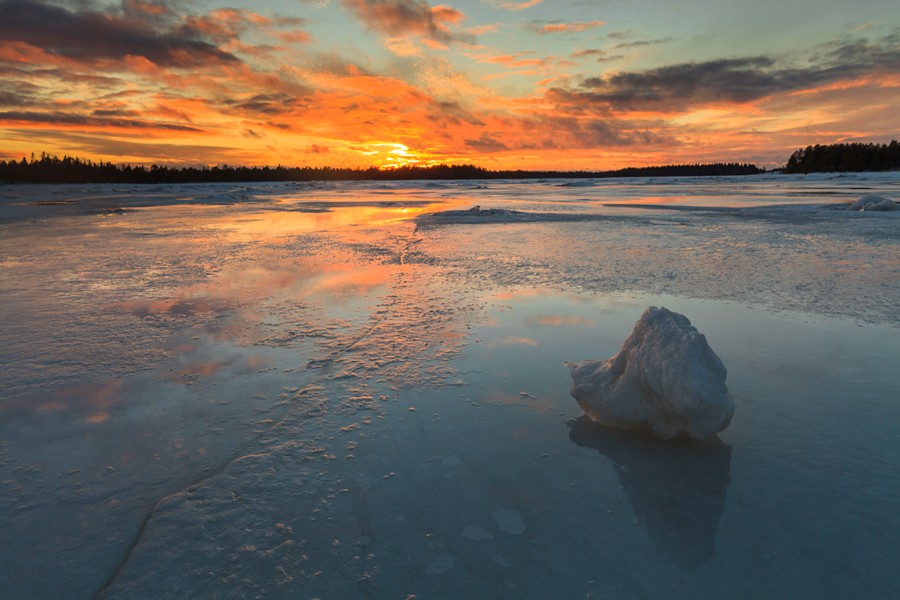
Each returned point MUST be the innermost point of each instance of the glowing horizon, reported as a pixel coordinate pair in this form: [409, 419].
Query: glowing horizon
[386, 83]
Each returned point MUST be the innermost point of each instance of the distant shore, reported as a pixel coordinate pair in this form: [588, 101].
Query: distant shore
[854, 157]
[52, 169]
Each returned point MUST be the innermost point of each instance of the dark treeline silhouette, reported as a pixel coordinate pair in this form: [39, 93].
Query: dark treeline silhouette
[51, 169]
[845, 157]
[718, 169]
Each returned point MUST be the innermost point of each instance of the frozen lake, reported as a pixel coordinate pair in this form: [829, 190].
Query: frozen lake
[315, 391]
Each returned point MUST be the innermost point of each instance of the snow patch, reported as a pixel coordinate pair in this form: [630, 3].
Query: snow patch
[665, 380]
[874, 202]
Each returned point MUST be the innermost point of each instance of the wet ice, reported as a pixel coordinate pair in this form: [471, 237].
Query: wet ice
[207, 393]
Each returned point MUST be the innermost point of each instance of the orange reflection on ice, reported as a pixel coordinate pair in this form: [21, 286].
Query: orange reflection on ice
[98, 417]
[352, 278]
[512, 340]
[319, 217]
[93, 400]
[661, 200]
[561, 320]
[521, 293]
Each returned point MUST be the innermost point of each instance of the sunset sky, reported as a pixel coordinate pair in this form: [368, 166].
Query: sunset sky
[532, 84]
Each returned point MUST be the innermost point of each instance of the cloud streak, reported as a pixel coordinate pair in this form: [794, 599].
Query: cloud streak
[566, 27]
[100, 119]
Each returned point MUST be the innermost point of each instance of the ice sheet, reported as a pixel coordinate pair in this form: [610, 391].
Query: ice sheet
[294, 391]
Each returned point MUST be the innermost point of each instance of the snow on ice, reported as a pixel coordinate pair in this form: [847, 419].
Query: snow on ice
[874, 202]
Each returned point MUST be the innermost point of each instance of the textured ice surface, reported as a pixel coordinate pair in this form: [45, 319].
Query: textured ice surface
[665, 380]
[207, 392]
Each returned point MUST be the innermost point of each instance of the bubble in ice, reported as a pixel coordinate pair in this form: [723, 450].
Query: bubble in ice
[477, 533]
[665, 380]
[441, 564]
[509, 521]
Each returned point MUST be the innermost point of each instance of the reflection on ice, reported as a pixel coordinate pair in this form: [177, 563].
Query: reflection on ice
[676, 489]
[209, 392]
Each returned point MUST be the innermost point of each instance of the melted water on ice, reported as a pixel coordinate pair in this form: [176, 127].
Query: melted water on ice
[289, 390]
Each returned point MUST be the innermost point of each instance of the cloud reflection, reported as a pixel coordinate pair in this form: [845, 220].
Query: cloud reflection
[561, 321]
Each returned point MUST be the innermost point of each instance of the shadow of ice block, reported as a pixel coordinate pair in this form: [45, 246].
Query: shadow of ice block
[677, 489]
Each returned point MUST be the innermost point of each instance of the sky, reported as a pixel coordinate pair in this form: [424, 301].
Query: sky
[502, 84]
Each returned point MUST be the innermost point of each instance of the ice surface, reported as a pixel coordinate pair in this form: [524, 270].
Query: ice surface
[665, 379]
[206, 391]
[477, 215]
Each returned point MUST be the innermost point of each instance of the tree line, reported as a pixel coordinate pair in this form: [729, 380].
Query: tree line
[845, 157]
[52, 169]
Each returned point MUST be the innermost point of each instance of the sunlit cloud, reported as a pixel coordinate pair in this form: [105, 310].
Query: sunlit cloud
[567, 27]
[405, 17]
[514, 6]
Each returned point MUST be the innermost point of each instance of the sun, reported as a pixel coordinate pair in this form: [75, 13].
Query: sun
[393, 155]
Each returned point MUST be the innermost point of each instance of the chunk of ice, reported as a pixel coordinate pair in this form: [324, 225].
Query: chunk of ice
[665, 380]
[874, 202]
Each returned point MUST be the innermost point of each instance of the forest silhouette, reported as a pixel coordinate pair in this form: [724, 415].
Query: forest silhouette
[845, 158]
[52, 169]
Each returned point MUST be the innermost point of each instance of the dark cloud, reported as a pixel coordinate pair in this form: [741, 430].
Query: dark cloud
[87, 34]
[268, 105]
[640, 43]
[16, 75]
[13, 99]
[564, 132]
[864, 54]
[114, 112]
[94, 120]
[571, 132]
[404, 17]
[151, 151]
[15, 93]
[446, 113]
[679, 87]
[598, 55]
[487, 142]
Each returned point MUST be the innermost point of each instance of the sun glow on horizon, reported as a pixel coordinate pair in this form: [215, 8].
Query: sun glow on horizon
[499, 85]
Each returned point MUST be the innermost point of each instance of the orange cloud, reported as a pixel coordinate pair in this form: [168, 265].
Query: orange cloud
[569, 27]
[515, 6]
